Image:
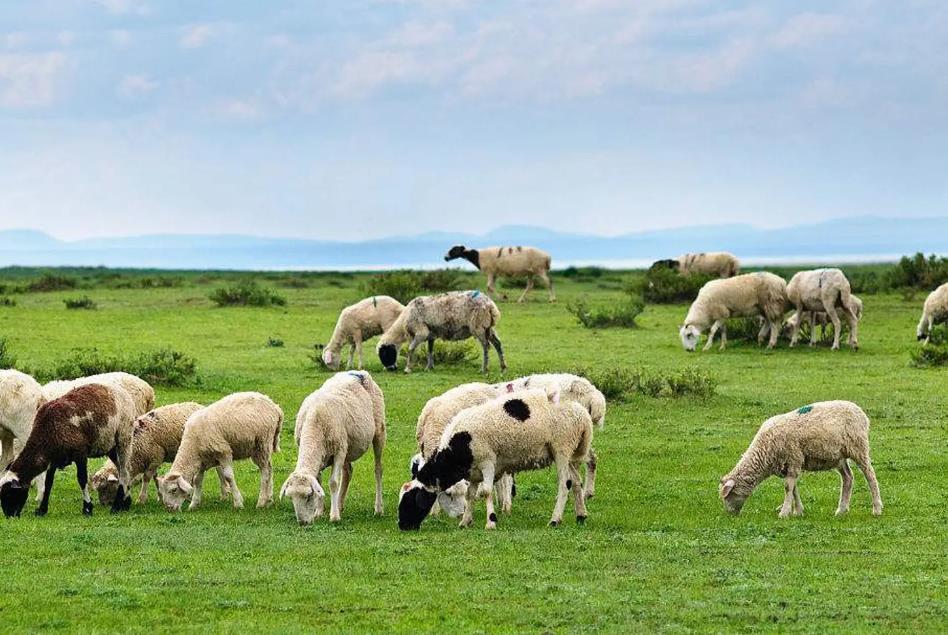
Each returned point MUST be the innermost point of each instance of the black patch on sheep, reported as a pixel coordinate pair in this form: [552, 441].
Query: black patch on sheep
[580, 520]
[517, 409]
[493, 517]
[388, 355]
[459, 251]
[450, 464]
[414, 507]
[13, 497]
[513, 490]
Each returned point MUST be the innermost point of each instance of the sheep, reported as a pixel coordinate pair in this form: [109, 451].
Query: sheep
[361, 321]
[574, 388]
[155, 440]
[823, 290]
[505, 262]
[717, 263]
[524, 431]
[747, 295]
[239, 426]
[450, 316]
[821, 436]
[138, 389]
[935, 311]
[821, 319]
[343, 417]
[20, 398]
[89, 421]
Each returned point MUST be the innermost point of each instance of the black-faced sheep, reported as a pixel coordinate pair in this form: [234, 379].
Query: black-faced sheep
[449, 316]
[357, 323]
[821, 436]
[90, 421]
[715, 263]
[507, 262]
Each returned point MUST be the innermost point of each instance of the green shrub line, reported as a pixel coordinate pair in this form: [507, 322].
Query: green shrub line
[162, 367]
[931, 355]
[622, 314]
[621, 384]
[246, 293]
[84, 302]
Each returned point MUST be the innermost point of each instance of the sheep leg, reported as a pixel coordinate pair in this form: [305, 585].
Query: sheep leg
[492, 336]
[774, 332]
[468, 516]
[358, 347]
[40, 483]
[344, 486]
[562, 490]
[545, 276]
[335, 479]
[505, 487]
[197, 496]
[579, 496]
[789, 483]
[122, 452]
[225, 486]
[486, 490]
[853, 329]
[831, 312]
[714, 331]
[265, 497]
[812, 332]
[527, 290]
[846, 487]
[378, 443]
[415, 343]
[865, 464]
[6, 450]
[797, 502]
[723, 336]
[430, 354]
[82, 477]
[227, 468]
[591, 474]
[147, 475]
[320, 500]
[351, 354]
[47, 490]
[795, 329]
[491, 290]
[485, 347]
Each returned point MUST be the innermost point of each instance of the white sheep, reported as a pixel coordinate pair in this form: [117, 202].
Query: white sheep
[156, 438]
[818, 437]
[752, 294]
[20, 398]
[89, 421]
[508, 262]
[523, 431]
[357, 323]
[573, 388]
[137, 388]
[341, 420]
[812, 319]
[716, 263]
[823, 290]
[453, 316]
[240, 426]
[935, 311]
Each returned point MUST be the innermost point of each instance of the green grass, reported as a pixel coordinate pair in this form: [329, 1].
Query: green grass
[657, 554]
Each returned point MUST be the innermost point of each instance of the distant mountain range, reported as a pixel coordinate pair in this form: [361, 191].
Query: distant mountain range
[840, 240]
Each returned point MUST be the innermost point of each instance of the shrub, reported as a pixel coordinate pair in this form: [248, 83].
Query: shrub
[439, 280]
[404, 286]
[51, 282]
[7, 301]
[7, 358]
[85, 302]
[82, 362]
[160, 282]
[622, 314]
[667, 286]
[166, 367]
[449, 353]
[274, 342]
[246, 293]
[619, 384]
[930, 355]
[582, 274]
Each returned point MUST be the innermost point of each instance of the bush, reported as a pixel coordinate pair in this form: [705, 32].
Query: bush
[274, 342]
[439, 280]
[82, 362]
[930, 355]
[919, 272]
[581, 274]
[7, 358]
[7, 301]
[449, 353]
[667, 286]
[246, 293]
[405, 285]
[51, 282]
[622, 314]
[85, 302]
[164, 366]
[619, 384]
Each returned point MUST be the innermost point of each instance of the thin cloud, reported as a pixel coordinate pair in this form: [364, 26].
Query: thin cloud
[134, 86]
[30, 80]
[196, 36]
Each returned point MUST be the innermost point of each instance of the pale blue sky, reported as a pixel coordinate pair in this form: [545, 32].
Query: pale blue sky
[357, 118]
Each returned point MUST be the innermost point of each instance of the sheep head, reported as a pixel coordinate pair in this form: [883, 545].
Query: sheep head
[307, 494]
[173, 491]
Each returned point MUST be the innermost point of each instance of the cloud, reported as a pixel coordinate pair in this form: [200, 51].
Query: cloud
[239, 109]
[134, 86]
[120, 38]
[196, 36]
[30, 80]
[808, 28]
[123, 7]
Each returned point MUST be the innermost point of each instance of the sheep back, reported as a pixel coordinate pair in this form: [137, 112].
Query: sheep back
[514, 261]
[20, 398]
[439, 411]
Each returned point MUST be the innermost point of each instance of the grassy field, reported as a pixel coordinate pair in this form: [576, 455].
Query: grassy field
[658, 554]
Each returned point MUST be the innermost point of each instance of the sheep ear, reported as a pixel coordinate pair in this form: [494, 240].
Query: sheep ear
[112, 478]
[327, 356]
[316, 487]
[458, 489]
[554, 396]
[727, 487]
[185, 486]
[286, 484]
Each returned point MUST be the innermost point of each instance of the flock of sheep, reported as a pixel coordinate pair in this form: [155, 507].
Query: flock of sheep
[472, 440]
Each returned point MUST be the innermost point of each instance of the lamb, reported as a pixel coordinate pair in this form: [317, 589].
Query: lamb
[524, 431]
[818, 437]
[716, 263]
[508, 261]
[138, 389]
[574, 388]
[450, 316]
[20, 398]
[935, 311]
[747, 295]
[357, 323]
[155, 440]
[89, 421]
[239, 426]
[341, 420]
[819, 318]
[823, 290]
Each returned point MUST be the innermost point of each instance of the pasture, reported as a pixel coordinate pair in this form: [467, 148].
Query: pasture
[657, 553]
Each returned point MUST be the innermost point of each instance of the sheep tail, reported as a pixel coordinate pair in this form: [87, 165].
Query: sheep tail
[845, 298]
[276, 434]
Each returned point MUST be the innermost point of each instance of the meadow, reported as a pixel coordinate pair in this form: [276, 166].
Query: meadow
[657, 554]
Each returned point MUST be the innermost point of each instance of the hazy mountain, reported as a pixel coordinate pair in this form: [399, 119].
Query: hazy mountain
[857, 238]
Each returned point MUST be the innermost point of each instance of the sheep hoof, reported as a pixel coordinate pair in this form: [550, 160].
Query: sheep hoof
[877, 512]
[121, 504]
[554, 523]
[580, 520]
[40, 511]
[841, 512]
[87, 508]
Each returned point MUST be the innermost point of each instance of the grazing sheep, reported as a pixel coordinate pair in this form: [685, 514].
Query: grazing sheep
[507, 262]
[716, 263]
[138, 389]
[449, 316]
[812, 319]
[934, 312]
[818, 437]
[748, 295]
[155, 440]
[357, 323]
[573, 388]
[342, 419]
[524, 431]
[823, 290]
[89, 421]
[20, 398]
[240, 426]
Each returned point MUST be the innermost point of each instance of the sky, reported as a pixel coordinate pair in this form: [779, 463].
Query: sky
[355, 119]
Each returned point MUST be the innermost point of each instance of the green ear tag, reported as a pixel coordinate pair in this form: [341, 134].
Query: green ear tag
[805, 409]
